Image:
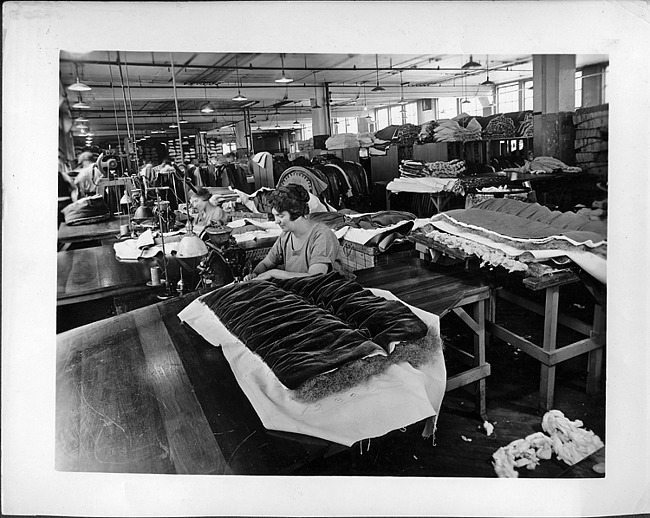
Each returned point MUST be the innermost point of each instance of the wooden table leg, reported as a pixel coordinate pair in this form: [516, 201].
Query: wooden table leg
[547, 374]
[479, 354]
[595, 359]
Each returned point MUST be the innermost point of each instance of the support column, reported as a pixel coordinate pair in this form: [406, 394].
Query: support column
[320, 117]
[242, 137]
[553, 106]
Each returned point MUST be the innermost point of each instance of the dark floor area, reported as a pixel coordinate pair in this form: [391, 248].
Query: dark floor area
[462, 448]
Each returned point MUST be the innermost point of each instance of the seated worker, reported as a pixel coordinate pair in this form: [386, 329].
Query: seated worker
[88, 176]
[305, 247]
[208, 214]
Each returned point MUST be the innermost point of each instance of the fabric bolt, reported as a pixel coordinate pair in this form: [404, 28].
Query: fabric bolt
[427, 184]
[320, 247]
[397, 397]
[500, 127]
[388, 133]
[537, 212]
[518, 228]
[307, 326]
[90, 209]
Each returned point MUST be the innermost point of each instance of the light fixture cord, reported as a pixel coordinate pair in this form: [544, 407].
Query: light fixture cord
[128, 87]
[117, 125]
[178, 120]
[126, 112]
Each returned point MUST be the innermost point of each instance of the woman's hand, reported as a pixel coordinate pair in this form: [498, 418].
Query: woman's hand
[250, 276]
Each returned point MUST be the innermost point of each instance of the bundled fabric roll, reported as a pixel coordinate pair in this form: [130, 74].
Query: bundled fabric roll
[91, 209]
[305, 327]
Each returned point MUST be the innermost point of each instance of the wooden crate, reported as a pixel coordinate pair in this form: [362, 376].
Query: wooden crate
[354, 256]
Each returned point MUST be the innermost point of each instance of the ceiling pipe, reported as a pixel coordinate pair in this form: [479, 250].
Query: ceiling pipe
[301, 69]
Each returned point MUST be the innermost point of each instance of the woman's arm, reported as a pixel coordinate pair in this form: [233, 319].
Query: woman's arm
[274, 273]
[264, 266]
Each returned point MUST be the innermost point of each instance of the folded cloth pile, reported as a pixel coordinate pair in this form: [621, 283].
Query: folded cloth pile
[407, 134]
[427, 132]
[91, 209]
[544, 165]
[442, 169]
[567, 439]
[500, 127]
[412, 169]
[526, 127]
[366, 139]
[342, 141]
[446, 130]
[517, 232]
[222, 195]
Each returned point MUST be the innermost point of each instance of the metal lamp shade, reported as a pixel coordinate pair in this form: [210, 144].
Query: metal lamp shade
[143, 213]
[191, 246]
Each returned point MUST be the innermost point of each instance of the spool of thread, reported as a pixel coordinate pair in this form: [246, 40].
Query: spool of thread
[124, 230]
[155, 276]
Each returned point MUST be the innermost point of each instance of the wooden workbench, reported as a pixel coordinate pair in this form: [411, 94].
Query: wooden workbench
[143, 393]
[94, 273]
[548, 353]
[415, 282]
[104, 230]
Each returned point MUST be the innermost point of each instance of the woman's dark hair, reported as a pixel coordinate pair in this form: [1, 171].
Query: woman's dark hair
[202, 193]
[293, 198]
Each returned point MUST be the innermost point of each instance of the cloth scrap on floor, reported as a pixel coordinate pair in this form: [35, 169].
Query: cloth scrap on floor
[567, 439]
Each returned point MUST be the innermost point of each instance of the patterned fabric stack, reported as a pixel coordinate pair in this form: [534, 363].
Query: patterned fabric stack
[500, 127]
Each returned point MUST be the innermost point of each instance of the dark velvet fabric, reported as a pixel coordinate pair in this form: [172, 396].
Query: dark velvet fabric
[306, 326]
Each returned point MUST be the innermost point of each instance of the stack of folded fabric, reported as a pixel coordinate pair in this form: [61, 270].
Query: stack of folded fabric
[526, 127]
[500, 127]
[222, 195]
[446, 131]
[412, 169]
[407, 134]
[342, 141]
[442, 169]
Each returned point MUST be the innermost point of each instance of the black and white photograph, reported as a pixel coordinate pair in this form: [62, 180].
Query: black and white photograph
[325, 258]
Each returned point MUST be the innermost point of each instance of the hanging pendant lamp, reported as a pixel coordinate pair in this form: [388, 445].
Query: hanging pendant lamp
[487, 81]
[283, 78]
[377, 88]
[80, 105]
[206, 107]
[471, 63]
[239, 96]
[79, 87]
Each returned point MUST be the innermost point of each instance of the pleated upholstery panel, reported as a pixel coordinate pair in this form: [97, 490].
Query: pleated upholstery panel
[307, 326]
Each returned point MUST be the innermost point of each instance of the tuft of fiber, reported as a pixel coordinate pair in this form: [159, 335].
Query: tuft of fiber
[416, 352]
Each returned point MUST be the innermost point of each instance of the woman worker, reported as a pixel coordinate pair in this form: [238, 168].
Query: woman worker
[305, 247]
[208, 214]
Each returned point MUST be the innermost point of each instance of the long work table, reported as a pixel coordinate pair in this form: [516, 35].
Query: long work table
[103, 230]
[143, 393]
[417, 283]
[549, 353]
[94, 273]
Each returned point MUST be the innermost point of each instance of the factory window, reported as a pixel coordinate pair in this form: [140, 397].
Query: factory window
[427, 105]
[447, 107]
[528, 94]
[381, 118]
[472, 107]
[508, 98]
[578, 97]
